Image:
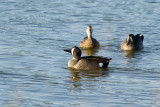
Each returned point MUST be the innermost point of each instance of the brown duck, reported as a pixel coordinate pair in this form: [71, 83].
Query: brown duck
[89, 42]
[86, 62]
[133, 42]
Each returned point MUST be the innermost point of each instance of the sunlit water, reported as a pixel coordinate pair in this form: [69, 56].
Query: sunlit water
[33, 65]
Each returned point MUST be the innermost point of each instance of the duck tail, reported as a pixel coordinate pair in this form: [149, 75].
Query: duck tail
[105, 64]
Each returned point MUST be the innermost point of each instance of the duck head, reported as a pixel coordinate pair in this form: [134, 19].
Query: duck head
[130, 39]
[75, 51]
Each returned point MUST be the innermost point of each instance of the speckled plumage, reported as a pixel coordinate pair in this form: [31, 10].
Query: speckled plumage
[89, 41]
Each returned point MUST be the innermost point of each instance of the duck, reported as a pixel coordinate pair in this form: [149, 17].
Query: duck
[133, 42]
[89, 42]
[86, 62]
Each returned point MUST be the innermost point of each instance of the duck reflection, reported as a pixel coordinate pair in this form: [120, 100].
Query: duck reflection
[133, 53]
[90, 52]
[129, 54]
[77, 75]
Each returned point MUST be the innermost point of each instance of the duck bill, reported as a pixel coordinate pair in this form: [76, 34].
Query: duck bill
[128, 42]
[67, 50]
[129, 39]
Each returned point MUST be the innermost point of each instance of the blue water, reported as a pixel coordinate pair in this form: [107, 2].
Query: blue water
[33, 65]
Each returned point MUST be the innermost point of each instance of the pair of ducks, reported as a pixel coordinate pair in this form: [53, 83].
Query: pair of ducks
[133, 42]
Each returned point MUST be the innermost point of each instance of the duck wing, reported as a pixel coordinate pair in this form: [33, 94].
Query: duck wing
[84, 39]
[98, 59]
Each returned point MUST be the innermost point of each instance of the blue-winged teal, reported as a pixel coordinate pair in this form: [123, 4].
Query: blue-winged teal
[89, 42]
[133, 42]
[86, 62]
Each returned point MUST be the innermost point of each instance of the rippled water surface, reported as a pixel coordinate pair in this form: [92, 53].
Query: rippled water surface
[33, 65]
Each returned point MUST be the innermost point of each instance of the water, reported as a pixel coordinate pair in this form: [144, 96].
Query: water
[33, 65]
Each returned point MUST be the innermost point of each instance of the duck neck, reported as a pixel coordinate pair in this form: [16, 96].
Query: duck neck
[76, 59]
[89, 34]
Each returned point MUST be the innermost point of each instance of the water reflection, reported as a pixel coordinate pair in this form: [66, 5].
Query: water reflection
[129, 54]
[90, 52]
[77, 75]
[133, 54]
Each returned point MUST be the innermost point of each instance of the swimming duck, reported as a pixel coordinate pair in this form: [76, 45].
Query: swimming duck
[86, 62]
[89, 42]
[133, 42]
